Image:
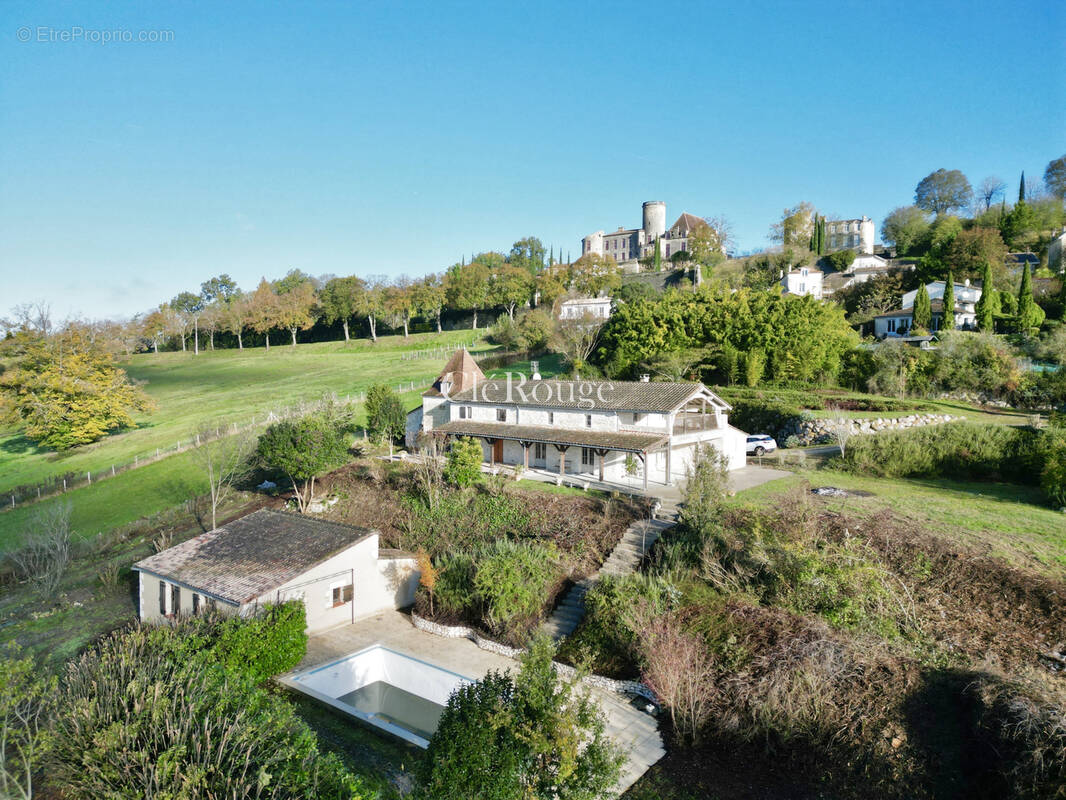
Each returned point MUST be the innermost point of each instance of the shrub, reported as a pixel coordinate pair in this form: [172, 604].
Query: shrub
[534, 329]
[960, 450]
[25, 700]
[464, 462]
[266, 645]
[763, 416]
[132, 720]
[609, 605]
[385, 417]
[513, 579]
[1053, 475]
[302, 449]
[455, 590]
[528, 737]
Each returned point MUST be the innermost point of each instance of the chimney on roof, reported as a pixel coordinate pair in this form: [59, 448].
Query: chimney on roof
[645, 378]
[966, 282]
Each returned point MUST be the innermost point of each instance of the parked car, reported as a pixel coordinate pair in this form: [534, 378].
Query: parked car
[757, 445]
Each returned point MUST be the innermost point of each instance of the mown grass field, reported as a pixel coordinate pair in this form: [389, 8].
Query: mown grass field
[227, 386]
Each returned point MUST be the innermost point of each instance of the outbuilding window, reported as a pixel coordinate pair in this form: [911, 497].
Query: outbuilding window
[342, 593]
[175, 599]
[195, 603]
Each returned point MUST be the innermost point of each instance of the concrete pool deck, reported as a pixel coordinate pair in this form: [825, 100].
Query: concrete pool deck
[634, 731]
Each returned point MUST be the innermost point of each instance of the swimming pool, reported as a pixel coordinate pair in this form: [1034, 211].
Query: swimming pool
[402, 695]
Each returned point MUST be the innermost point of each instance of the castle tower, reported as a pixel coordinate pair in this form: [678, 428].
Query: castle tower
[654, 220]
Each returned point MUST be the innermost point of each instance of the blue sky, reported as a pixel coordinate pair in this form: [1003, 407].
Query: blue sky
[392, 138]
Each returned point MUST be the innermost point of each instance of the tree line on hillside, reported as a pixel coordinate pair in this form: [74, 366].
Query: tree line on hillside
[220, 309]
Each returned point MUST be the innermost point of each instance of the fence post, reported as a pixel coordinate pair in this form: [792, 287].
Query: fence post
[64, 484]
[112, 470]
[135, 461]
[89, 478]
[38, 492]
[12, 501]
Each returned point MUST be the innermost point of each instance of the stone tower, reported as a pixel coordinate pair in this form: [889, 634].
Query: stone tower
[654, 220]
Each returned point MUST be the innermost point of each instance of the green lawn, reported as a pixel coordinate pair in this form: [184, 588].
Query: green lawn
[229, 386]
[1008, 520]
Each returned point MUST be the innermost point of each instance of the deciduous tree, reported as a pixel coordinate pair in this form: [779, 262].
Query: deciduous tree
[302, 450]
[385, 417]
[341, 299]
[1055, 177]
[509, 287]
[467, 287]
[943, 191]
[906, 228]
[594, 274]
[295, 305]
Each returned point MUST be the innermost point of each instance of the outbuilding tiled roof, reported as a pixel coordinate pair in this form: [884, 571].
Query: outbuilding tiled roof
[250, 556]
[655, 397]
[605, 440]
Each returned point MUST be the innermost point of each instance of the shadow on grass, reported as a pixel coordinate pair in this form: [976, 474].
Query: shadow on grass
[942, 728]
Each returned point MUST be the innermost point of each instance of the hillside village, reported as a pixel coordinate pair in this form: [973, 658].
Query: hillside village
[360, 441]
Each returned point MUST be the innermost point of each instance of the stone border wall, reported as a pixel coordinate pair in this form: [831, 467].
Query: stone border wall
[462, 632]
[821, 430]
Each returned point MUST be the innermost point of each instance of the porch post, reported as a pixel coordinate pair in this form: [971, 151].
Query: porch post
[525, 455]
[669, 450]
[643, 456]
[603, 456]
[562, 458]
[492, 451]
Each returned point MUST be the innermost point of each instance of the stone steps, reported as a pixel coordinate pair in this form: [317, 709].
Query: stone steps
[623, 560]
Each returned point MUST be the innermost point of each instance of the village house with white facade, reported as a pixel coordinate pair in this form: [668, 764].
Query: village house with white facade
[900, 321]
[614, 431]
[577, 308]
[803, 282]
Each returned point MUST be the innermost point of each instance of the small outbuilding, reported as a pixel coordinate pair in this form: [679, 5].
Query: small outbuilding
[271, 557]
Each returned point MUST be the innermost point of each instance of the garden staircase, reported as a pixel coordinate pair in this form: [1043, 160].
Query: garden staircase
[624, 559]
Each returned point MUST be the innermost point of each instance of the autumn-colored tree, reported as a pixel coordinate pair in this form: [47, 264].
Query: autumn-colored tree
[551, 284]
[399, 304]
[65, 390]
[295, 303]
[594, 274]
[263, 310]
[970, 250]
[189, 307]
[795, 227]
[237, 316]
[427, 575]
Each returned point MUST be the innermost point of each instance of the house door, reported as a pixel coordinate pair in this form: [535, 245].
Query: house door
[497, 451]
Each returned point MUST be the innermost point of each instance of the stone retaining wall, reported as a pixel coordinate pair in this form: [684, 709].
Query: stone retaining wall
[821, 430]
[462, 632]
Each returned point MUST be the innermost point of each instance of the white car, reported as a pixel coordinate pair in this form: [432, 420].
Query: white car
[757, 445]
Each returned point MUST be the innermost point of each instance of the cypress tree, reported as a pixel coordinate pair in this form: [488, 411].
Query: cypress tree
[551, 256]
[949, 303]
[922, 313]
[988, 306]
[1021, 188]
[1030, 315]
[658, 256]
[821, 238]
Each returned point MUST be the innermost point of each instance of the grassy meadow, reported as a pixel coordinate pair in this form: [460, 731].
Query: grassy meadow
[224, 386]
[227, 386]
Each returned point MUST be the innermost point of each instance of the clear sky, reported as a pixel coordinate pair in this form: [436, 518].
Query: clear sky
[393, 138]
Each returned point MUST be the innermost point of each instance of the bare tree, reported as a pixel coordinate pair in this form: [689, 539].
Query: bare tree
[224, 460]
[842, 432]
[429, 470]
[676, 666]
[575, 339]
[35, 316]
[723, 231]
[43, 560]
[990, 189]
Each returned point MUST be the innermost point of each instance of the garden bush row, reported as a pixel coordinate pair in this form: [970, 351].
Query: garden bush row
[966, 451]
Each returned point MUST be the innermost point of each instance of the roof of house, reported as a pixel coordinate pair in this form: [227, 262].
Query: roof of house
[247, 558]
[585, 395]
[461, 372]
[935, 306]
[1023, 258]
[588, 301]
[687, 222]
[608, 440]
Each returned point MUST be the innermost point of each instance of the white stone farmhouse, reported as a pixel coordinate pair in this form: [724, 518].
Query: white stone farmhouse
[590, 429]
[269, 557]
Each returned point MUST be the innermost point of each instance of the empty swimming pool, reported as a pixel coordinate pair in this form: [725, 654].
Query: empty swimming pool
[397, 693]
